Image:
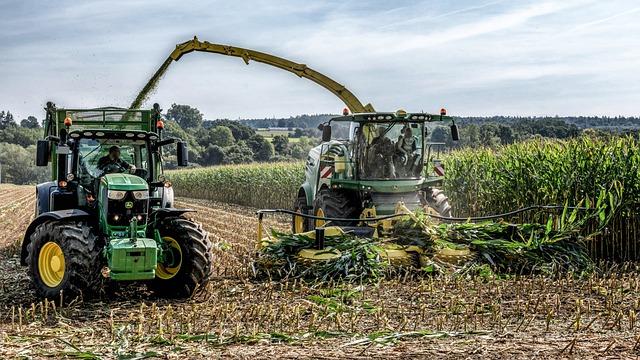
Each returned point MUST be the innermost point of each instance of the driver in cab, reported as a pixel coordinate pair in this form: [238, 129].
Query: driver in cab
[112, 163]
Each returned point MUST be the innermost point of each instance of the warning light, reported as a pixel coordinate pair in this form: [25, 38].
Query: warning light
[345, 111]
[67, 121]
[443, 111]
[160, 124]
[62, 184]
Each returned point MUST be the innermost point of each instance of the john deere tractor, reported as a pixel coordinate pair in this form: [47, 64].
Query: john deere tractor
[116, 222]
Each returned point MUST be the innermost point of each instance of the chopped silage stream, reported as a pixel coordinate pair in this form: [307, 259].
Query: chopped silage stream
[409, 315]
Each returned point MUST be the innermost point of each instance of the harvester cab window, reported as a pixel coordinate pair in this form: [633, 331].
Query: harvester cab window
[390, 150]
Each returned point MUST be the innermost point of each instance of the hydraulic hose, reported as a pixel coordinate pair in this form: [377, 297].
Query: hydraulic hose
[439, 217]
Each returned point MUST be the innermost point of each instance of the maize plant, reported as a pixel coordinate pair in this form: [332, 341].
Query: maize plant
[265, 185]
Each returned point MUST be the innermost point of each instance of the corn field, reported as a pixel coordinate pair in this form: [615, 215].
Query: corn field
[267, 185]
[540, 172]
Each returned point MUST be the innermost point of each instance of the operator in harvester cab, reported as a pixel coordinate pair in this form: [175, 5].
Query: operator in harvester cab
[407, 145]
[112, 163]
[382, 163]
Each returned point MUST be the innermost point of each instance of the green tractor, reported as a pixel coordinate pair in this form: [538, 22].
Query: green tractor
[108, 215]
[379, 164]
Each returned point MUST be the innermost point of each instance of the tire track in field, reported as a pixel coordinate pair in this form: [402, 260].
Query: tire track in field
[16, 212]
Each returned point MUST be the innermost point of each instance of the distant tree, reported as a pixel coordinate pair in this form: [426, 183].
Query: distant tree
[30, 122]
[173, 129]
[506, 134]
[238, 153]
[6, 120]
[20, 136]
[18, 165]
[261, 147]
[186, 116]
[439, 134]
[240, 130]
[221, 136]
[280, 144]
[213, 155]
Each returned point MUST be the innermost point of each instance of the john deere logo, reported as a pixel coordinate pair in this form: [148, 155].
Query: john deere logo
[128, 204]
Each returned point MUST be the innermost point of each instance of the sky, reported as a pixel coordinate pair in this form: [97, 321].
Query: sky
[484, 57]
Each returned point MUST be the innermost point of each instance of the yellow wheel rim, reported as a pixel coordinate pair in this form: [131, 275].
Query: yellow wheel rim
[51, 264]
[166, 272]
[298, 223]
[319, 222]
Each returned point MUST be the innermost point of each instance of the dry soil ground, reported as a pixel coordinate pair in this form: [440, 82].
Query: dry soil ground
[240, 317]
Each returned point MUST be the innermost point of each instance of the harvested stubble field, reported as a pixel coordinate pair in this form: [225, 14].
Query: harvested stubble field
[413, 316]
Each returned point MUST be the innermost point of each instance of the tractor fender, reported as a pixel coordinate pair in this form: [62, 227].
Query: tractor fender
[307, 192]
[43, 196]
[162, 213]
[47, 217]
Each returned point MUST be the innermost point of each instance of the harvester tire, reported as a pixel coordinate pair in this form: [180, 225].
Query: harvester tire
[336, 204]
[298, 223]
[439, 202]
[65, 261]
[196, 262]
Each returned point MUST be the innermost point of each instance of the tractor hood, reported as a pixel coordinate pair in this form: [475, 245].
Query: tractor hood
[124, 182]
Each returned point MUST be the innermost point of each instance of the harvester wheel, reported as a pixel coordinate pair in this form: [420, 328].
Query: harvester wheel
[439, 202]
[335, 204]
[65, 257]
[188, 264]
[298, 223]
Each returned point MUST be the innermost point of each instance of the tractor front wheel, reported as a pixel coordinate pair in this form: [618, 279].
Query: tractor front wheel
[300, 224]
[335, 204]
[65, 260]
[186, 261]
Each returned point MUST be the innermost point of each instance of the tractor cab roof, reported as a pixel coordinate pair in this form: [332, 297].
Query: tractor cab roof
[399, 115]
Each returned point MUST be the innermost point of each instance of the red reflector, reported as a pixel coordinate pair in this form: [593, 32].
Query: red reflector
[160, 124]
[62, 184]
[67, 121]
[345, 111]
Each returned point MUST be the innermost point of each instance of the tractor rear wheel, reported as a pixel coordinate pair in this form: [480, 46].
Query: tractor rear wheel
[188, 259]
[300, 224]
[65, 258]
[438, 201]
[335, 204]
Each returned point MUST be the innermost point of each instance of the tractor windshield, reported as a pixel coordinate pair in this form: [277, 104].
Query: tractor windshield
[97, 157]
[391, 150]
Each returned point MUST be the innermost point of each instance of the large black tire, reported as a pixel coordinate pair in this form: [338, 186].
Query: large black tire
[302, 224]
[337, 204]
[439, 202]
[82, 260]
[195, 268]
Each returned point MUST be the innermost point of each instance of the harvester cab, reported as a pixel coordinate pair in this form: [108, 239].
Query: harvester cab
[108, 211]
[379, 164]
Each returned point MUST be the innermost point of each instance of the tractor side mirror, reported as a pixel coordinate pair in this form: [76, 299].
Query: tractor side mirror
[326, 133]
[454, 132]
[183, 153]
[42, 153]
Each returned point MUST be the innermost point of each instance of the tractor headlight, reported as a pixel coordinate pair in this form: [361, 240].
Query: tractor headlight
[116, 194]
[141, 195]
